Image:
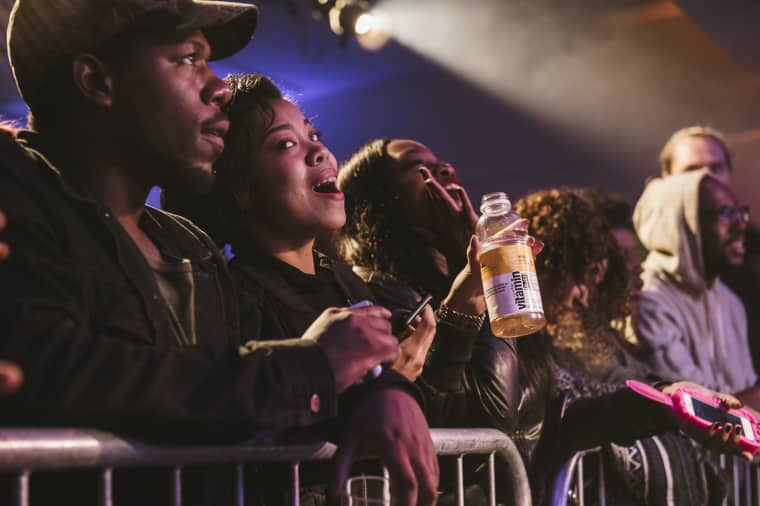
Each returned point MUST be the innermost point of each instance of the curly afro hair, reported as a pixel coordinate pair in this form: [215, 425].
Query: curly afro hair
[578, 243]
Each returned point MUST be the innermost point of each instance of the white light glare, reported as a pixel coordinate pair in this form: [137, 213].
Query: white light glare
[377, 35]
[365, 23]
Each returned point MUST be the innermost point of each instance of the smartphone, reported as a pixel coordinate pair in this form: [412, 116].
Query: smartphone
[403, 318]
[702, 412]
[711, 414]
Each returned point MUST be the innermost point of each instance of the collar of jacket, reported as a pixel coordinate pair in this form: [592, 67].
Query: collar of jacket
[271, 280]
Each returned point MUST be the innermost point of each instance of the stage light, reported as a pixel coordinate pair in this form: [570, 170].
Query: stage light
[365, 23]
[353, 18]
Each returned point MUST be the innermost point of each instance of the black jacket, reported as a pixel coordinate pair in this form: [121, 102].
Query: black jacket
[470, 378]
[82, 315]
[485, 387]
[271, 306]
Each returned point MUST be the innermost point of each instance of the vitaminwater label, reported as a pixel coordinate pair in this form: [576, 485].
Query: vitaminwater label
[510, 283]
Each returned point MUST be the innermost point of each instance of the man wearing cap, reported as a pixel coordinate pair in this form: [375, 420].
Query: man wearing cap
[123, 316]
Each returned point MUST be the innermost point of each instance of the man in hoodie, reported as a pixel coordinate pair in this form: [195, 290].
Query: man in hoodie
[700, 147]
[690, 324]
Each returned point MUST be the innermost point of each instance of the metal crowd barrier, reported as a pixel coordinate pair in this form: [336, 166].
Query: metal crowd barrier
[24, 451]
[568, 485]
[568, 490]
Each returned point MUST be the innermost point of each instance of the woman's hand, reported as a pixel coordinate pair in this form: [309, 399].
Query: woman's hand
[466, 293]
[454, 218]
[414, 349]
[720, 437]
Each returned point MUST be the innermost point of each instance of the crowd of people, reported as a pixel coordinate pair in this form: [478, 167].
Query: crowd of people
[129, 318]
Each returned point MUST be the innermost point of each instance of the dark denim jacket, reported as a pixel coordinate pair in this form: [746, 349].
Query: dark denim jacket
[81, 313]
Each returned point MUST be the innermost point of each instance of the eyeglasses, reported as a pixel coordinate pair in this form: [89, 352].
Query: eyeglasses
[729, 214]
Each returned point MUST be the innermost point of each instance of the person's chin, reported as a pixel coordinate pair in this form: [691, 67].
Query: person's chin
[334, 222]
[735, 252]
[198, 179]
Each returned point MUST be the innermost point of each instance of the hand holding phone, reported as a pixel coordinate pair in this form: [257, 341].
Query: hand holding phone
[376, 371]
[402, 319]
[704, 412]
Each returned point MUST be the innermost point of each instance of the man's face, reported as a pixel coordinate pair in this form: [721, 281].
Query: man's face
[695, 153]
[169, 105]
[722, 227]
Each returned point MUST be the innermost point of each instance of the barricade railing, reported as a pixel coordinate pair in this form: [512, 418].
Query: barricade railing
[569, 486]
[745, 479]
[24, 451]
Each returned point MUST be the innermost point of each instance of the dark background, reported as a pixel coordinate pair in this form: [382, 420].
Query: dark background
[521, 94]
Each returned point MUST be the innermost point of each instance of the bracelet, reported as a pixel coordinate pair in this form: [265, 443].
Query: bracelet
[454, 317]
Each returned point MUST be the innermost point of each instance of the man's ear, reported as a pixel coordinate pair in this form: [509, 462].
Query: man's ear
[92, 77]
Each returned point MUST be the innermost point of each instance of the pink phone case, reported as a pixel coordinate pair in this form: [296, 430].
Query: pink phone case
[677, 402]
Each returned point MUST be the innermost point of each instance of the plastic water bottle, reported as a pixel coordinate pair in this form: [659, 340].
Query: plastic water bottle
[509, 276]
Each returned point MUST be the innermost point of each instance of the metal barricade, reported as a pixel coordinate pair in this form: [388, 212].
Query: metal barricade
[569, 484]
[25, 451]
[743, 480]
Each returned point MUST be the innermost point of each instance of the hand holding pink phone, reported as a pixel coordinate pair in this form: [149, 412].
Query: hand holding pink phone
[703, 412]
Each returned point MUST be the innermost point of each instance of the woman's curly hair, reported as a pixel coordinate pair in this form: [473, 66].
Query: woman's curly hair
[376, 232]
[221, 211]
[577, 241]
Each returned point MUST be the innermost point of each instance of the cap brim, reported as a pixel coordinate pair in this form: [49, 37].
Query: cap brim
[228, 26]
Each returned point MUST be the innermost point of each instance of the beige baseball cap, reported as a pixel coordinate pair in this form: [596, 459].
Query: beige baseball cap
[43, 35]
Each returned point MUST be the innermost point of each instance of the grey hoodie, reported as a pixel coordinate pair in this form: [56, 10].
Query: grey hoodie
[688, 330]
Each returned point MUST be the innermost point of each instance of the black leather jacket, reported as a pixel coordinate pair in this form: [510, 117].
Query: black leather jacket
[548, 420]
[470, 379]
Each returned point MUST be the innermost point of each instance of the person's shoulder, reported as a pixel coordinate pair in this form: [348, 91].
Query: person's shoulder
[17, 161]
[10, 143]
[657, 286]
[660, 295]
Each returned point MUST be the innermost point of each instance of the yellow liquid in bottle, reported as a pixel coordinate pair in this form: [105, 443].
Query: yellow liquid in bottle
[511, 289]
[516, 325]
